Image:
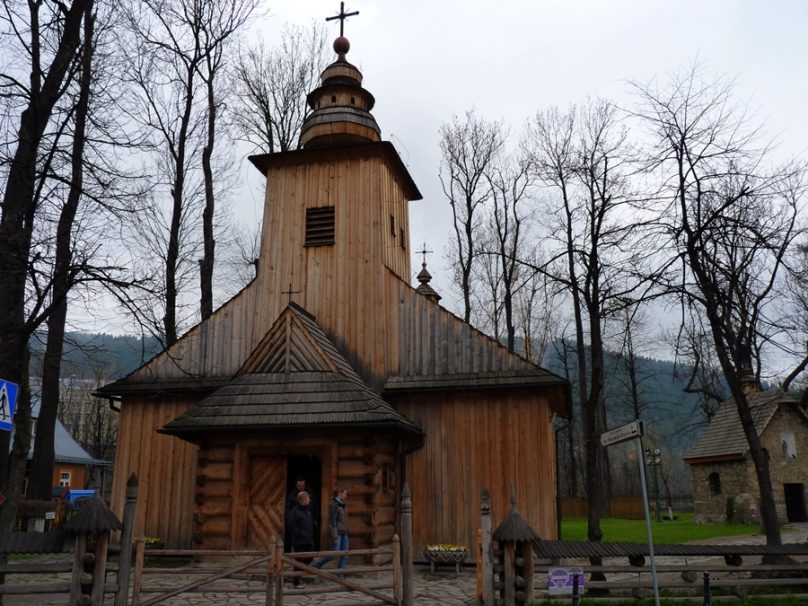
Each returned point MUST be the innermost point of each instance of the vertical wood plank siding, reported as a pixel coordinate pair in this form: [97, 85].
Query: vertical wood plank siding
[489, 437]
[166, 469]
[359, 292]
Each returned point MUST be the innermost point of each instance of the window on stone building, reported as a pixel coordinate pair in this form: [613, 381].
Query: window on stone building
[789, 444]
[715, 484]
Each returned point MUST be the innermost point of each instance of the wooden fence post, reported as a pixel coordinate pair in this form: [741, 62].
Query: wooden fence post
[137, 582]
[278, 557]
[125, 557]
[79, 550]
[487, 555]
[407, 565]
[397, 569]
[270, 599]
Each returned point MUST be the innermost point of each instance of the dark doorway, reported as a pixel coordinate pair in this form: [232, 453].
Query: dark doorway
[795, 502]
[310, 468]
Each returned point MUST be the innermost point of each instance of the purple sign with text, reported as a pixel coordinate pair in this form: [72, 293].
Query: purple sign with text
[560, 580]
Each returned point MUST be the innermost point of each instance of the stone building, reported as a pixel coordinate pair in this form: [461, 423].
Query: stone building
[725, 486]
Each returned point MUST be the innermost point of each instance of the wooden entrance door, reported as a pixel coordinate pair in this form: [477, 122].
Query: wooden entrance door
[795, 502]
[267, 500]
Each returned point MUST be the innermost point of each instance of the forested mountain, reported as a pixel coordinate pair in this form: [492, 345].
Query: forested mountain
[674, 418]
[89, 356]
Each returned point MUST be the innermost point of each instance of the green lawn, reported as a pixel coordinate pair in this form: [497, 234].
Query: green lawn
[668, 531]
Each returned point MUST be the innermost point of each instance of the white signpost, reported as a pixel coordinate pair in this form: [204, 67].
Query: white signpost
[8, 402]
[625, 432]
[635, 431]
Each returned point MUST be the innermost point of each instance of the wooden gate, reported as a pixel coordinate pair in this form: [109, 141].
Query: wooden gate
[267, 500]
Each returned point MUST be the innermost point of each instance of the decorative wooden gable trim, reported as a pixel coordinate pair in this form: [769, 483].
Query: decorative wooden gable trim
[289, 346]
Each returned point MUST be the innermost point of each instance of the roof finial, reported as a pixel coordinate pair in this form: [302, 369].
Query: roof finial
[342, 16]
[424, 252]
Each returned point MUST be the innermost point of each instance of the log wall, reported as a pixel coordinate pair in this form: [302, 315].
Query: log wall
[367, 465]
[497, 438]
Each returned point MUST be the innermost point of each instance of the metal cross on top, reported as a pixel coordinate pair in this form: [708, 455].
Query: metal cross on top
[424, 252]
[342, 17]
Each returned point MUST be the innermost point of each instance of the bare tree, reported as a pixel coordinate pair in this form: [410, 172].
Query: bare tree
[271, 85]
[510, 180]
[176, 46]
[585, 159]
[220, 24]
[53, 44]
[64, 273]
[731, 222]
[469, 147]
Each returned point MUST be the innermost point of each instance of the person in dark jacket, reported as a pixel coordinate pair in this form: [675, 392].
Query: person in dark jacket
[337, 528]
[301, 528]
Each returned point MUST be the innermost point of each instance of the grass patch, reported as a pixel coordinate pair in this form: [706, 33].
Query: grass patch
[670, 532]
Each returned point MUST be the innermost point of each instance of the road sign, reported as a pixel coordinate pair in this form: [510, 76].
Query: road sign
[8, 402]
[632, 430]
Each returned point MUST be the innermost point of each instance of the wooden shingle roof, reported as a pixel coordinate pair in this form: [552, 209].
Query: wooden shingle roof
[294, 378]
[724, 437]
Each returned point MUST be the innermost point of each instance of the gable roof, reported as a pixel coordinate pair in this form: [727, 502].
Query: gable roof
[724, 437]
[294, 378]
[65, 447]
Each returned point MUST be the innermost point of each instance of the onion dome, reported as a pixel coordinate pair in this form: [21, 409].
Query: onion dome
[340, 106]
[424, 288]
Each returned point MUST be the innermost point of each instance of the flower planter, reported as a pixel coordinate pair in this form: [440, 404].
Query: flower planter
[455, 555]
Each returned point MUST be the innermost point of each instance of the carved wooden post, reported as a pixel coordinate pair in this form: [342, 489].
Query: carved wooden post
[488, 565]
[407, 568]
[96, 519]
[78, 569]
[125, 558]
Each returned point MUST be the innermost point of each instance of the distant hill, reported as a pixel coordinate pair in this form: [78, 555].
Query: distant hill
[88, 356]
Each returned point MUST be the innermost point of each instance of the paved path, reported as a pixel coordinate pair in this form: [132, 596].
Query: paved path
[443, 588]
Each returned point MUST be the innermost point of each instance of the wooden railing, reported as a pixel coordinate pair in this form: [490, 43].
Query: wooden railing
[271, 569]
[694, 579]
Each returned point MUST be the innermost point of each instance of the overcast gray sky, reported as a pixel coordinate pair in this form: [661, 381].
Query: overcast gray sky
[425, 61]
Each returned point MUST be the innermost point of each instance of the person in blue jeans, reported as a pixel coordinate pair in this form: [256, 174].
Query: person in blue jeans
[337, 528]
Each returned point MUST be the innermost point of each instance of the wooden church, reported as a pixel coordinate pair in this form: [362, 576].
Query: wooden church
[330, 365]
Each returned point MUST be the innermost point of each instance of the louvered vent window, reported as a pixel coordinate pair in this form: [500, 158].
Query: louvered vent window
[320, 226]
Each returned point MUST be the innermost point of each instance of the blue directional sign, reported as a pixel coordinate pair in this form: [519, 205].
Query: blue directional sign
[8, 402]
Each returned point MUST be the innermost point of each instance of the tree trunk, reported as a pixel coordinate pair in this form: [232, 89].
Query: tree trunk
[41, 476]
[16, 228]
[206, 265]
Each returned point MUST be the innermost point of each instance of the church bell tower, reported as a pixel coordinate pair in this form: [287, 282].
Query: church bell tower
[336, 218]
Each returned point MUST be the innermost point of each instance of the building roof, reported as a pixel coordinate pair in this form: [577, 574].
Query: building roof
[66, 449]
[724, 437]
[294, 378]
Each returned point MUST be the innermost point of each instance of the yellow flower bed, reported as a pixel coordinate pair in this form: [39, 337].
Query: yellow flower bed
[447, 548]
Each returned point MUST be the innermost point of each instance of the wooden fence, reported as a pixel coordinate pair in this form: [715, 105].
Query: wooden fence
[259, 572]
[85, 578]
[622, 507]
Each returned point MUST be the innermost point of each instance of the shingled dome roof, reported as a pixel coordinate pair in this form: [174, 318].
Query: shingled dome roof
[294, 378]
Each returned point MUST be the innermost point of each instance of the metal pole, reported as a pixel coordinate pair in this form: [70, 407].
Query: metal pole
[656, 488]
[641, 460]
[707, 596]
[576, 598]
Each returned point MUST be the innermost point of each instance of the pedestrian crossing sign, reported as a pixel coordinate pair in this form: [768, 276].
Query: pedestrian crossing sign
[8, 402]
